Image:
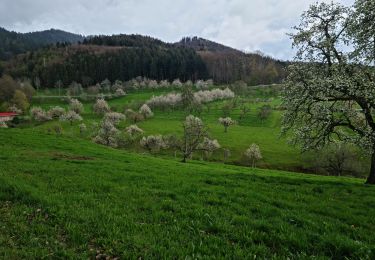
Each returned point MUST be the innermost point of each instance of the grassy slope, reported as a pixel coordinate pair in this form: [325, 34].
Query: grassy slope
[71, 198]
[276, 152]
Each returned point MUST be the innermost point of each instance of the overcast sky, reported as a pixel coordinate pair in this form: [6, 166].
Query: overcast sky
[248, 25]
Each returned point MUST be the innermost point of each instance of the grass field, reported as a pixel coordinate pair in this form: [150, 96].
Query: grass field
[65, 197]
[277, 154]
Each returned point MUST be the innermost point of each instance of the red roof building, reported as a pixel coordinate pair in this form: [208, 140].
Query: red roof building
[2, 114]
[7, 116]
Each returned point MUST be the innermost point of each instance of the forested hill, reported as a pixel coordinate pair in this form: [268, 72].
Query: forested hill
[89, 64]
[124, 57]
[225, 64]
[201, 44]
[13, 43]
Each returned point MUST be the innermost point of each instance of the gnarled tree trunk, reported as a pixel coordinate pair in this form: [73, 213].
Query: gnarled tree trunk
[371, 177]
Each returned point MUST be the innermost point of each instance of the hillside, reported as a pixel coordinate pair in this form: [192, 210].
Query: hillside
[91, 64]
[67, 198]
[277, 154]
[13, 43]
[137, 55]
[226, 64]
[245, 108]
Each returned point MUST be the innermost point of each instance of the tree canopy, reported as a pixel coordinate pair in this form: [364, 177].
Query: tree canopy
[330, 91]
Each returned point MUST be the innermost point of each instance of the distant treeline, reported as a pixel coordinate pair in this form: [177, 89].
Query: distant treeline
[92, 65]
[123, 57]
[133, 40]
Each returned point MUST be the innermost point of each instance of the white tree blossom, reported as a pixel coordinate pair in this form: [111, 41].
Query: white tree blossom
[253, 154]
[153, 84]
[70, 116]
[13, 108]
[35, 110]
[204, 85]
[133, 130]
[108, 134]
[117, 85]
[209, 146]
[226, 122]
[119, 92]
[194, 133]
[169, 100]
[56, 112]
[188, 83]
[175, 99]
[152, 143]
[101, 106]
[75, 105]
[362, 30]
[177, 83]
[200, 84]
[114, 117]
[38, 114]
[164, 84]
[329, 94]
[146, 111]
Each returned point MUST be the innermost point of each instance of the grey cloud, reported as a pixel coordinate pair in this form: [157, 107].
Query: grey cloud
[248, 25]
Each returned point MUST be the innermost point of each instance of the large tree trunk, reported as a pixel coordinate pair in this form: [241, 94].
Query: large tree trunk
[371, 177]
[184, 158]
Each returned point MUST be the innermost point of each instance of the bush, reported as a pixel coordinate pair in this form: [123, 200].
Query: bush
[134, 116]
[264, 112]
[227, 109]
[336, 159]
[20, 100]
[56, 112]
[15, 93]
[82, 128]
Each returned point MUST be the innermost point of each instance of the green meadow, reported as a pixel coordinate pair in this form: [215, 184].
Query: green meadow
[65, 197]
[276, 152]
